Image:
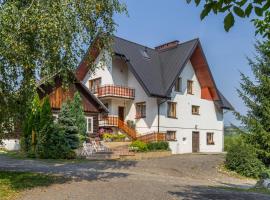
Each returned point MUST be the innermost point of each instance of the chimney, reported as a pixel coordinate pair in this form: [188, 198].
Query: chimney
[167, 46]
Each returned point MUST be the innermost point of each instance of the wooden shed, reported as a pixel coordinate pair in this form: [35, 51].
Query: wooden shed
[58, 93]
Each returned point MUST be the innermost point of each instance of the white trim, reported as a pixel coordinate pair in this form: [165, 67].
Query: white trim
[87, 127]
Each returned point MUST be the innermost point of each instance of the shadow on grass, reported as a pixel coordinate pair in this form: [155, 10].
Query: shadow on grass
[27, 180]
[81, 170]
[216, 193]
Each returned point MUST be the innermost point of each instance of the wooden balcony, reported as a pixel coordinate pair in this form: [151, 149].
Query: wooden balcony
[115, 91]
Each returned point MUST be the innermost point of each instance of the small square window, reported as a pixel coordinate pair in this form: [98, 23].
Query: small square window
[195, 110]
[210, 138]
[89, 124]
[171, 136]
[94, 84]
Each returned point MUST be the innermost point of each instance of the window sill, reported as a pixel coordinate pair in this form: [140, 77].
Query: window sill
[172, 117]
[140, 117]
[211, 144]
[195, 114]
[172, 140]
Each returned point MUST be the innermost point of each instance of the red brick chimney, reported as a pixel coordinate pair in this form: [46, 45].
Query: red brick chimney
[167, 46]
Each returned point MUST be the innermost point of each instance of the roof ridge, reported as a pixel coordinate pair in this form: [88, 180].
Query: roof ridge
[133, 42]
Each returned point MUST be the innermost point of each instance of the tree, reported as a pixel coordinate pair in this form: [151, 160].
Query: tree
[67, 124]
[78, 113]
[256, 96]
[239, 8]
[37, 38]
[31, 126]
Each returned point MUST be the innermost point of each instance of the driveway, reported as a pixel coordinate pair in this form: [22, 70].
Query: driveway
[177, 177]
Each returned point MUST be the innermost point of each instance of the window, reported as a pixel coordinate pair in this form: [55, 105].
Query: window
[89, 124]
[210, 138]
[190, 87]
[171, 136]
[140, 110]
[195, 110]
[172, 109]
[178, 85]
[55, 117]
[94, 84]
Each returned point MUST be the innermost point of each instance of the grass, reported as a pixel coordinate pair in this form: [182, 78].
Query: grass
[12, 183]
[20, 155]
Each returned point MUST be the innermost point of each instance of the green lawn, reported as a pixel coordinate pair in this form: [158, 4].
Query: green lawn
[11, 183]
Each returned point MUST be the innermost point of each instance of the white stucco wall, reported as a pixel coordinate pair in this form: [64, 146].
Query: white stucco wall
[103, 69]
[210, 119]
[11, 144]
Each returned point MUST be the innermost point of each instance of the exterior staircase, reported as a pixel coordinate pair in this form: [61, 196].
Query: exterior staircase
[132, 133]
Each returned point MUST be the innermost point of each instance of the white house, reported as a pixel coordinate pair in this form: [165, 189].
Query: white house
[167, 89]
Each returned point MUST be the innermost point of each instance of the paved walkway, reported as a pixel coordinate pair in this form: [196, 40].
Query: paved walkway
[176, 177]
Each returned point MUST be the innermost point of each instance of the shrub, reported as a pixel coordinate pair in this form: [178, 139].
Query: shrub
[230, 140]
[52, 143]
[154, 146]
[139, 145]
[107, 136]
[242, 159]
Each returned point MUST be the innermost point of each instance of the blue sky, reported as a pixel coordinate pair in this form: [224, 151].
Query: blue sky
[153, 22]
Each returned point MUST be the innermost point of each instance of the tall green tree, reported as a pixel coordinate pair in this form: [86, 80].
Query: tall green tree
[31, 126]
[78, 113]
[38, 38]
[255, 94]
[67, 123]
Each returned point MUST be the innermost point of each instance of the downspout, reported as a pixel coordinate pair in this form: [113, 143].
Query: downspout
[159, 104]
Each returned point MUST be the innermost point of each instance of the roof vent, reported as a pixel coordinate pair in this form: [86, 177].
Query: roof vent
[145, 54]
[167, 46]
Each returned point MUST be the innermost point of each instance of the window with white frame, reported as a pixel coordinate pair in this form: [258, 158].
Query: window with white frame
[89, 124]
[55, 117]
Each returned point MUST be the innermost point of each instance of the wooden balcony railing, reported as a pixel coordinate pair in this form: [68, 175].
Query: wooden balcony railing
[152, 137]
[116, 91]
[108, 121]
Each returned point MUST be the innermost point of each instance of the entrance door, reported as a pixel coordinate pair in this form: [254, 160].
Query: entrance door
[121, 113]
[195, 141]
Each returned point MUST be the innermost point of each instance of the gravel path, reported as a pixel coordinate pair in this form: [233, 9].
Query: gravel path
[176, 177]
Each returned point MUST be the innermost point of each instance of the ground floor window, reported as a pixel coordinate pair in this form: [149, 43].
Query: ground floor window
[140, 110]
[171, 136]
[89, 124]
[210, 138]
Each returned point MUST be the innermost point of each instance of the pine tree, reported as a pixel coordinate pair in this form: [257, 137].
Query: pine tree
[256, 96]
[78, 113]
[31, 126]
[45, 121]
[66, 121]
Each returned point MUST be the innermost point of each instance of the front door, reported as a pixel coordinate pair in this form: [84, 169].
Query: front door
[121, 113]
[195, 141]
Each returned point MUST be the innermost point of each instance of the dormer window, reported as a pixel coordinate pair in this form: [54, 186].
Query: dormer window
[145, 54]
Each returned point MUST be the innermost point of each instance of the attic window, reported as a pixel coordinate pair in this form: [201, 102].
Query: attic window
[145, 54]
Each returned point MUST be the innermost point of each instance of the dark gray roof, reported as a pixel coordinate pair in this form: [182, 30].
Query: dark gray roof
[157, 70]
[156, 73]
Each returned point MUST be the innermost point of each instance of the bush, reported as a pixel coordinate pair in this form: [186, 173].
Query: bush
[52, 143]
[230, 140]
[139, 145]
[242, 159]
[154, 146]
